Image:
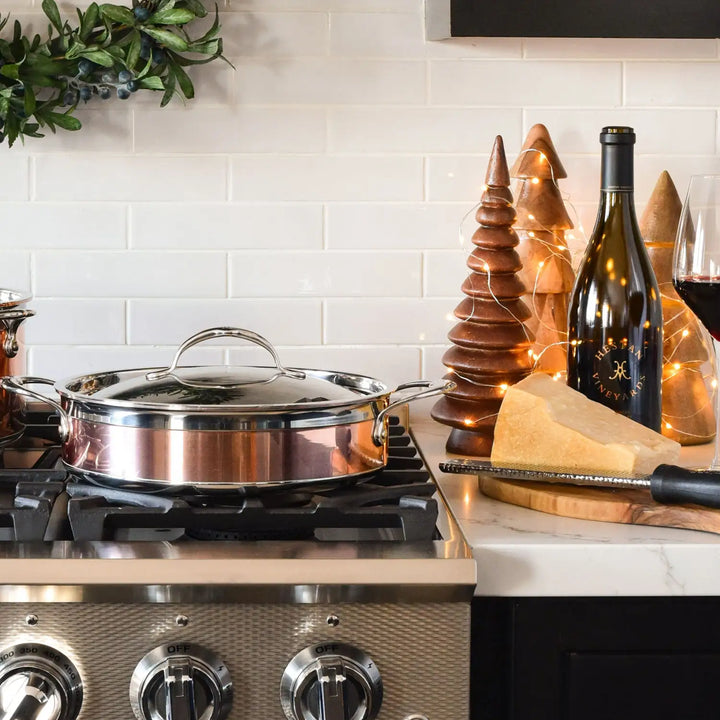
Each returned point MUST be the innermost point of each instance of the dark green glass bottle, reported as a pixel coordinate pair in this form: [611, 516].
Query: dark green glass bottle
[615, 315]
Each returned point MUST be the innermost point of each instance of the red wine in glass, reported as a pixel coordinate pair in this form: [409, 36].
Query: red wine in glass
[702, 295]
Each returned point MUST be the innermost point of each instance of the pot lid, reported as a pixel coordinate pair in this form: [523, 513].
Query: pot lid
[203, 388]
[13, 298]
[224, 387]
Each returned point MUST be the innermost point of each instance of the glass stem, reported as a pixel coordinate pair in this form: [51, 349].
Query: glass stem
[716, 459]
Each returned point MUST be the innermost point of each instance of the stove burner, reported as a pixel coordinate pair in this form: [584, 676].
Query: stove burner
[393, 504]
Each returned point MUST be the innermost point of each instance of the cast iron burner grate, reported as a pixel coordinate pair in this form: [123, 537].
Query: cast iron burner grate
[27, 494]
[394, 504]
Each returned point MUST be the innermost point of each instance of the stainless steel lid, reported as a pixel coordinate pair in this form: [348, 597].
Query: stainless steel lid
[10, 299]
[223, 388]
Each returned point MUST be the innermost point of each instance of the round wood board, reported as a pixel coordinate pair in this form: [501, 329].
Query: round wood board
[634, 507]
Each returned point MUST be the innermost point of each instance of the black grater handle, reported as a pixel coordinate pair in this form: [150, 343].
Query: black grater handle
[673, 485]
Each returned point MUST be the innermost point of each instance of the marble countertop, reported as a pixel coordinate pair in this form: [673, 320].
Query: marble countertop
[522, 552]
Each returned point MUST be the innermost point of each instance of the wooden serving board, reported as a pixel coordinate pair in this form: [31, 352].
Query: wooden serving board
[634, 507]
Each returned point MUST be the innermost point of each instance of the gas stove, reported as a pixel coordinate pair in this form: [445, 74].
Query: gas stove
[330, 603]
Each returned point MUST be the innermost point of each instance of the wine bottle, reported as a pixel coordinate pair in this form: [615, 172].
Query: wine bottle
[615, 314]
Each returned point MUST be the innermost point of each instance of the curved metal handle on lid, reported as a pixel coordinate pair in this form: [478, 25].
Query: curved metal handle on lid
[17, 385]
[380, 428]
[218, 332]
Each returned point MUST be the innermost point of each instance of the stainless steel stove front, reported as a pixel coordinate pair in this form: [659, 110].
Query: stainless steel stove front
[420, 651]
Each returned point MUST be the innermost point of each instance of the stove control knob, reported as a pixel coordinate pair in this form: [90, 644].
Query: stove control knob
[38, 682]
[331, 681]
[180, 682]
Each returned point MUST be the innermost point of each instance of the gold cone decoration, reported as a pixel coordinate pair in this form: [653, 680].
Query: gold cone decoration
[687, 402]
[491, 346]
[547, 267]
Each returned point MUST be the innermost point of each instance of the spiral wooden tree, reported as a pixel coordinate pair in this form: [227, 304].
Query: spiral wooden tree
[547, 269]
[492, 348]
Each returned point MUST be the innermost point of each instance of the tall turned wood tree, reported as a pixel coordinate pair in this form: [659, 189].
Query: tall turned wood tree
[687, 406]
[491, 346]
[547, 268]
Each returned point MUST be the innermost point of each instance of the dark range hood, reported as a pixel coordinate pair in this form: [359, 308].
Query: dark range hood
[573, 18]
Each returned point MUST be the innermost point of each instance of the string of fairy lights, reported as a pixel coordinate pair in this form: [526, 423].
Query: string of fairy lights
[556, 248]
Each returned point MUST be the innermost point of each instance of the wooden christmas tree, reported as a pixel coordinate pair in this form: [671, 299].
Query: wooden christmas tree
[547, 269]
[687, 405]
[491, 346]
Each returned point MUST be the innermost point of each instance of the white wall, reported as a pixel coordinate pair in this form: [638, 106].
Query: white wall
[314, 193]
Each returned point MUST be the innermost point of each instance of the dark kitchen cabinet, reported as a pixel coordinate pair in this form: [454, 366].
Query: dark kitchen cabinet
[595, 659]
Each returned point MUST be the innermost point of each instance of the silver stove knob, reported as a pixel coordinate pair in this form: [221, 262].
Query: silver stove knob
[181, 682]
[38, 682]
[331, 681]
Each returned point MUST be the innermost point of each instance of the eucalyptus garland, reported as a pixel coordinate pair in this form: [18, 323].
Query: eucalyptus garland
[113, 51]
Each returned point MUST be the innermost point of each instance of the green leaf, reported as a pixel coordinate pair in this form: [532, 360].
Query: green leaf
[101, 57]
[169, 89]
[167, 38]
[117, 14]
[133, 53]
[66, 122]
[89, 20]
[11, 71]
[171, 16]
[30, 102]
[153, 82]
[196, 6]
[50, 8]
[184, 82]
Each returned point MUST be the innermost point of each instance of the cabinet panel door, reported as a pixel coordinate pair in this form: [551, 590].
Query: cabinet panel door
[657, 686]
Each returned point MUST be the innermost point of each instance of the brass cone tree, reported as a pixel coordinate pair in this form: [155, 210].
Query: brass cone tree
[687, 406]
[546, 264]
[491, 346]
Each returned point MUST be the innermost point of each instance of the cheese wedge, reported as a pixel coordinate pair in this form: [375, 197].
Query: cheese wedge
[544, 424]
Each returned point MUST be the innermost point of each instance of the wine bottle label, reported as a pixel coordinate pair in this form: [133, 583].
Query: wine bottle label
[615, 375]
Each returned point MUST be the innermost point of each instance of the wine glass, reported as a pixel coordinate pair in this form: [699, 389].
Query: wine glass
[696, 267]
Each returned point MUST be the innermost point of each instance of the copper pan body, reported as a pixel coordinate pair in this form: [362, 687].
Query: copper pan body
[222, 459]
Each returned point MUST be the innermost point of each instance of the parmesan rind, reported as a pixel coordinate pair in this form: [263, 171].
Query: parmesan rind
[545, 425]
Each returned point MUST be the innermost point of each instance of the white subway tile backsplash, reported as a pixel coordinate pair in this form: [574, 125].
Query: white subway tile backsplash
[456, 178]
[325, 274]
[249, 130]
[130, 274]
[401, 226]
[15, 177]
[169, 322]
[388, 321]
[523, 83]
[672, 84]
[59, 321]
[15, 269]
[420, 130]
[226, 226]
[64, 225]
[445, 271]
[659, 132]
[618, 48]
[79, 177]
[372, 6]
[402, 35]
[329, 81]
[275, 34]
[326, 178]
[59, 362]
[318, 191]
[393, 368]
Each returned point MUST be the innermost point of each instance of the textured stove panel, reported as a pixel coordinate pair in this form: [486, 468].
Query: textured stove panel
[421, 650]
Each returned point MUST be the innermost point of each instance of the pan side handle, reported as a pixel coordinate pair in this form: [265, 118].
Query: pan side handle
[18, 385]
[428, 390]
